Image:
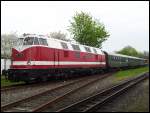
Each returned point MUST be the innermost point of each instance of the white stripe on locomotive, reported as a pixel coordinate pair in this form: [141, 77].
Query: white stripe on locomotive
[55, 62]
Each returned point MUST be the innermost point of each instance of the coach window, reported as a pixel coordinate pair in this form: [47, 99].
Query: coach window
[64, 45]
[76, 47]
[43, 41]
[36, 42]
[87, 49]
[114, 58]
[111, 57]
[28, 41]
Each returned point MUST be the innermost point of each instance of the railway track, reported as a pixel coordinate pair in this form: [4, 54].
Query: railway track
[43, 99]
[34, 84]
[100, 99]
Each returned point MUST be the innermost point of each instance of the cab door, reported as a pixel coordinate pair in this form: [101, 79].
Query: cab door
[56, 58]
[30, 52]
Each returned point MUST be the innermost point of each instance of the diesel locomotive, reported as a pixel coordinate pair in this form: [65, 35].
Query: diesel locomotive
[38, 57]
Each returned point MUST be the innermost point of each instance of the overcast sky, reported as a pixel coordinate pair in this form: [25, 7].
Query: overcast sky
[127, 22]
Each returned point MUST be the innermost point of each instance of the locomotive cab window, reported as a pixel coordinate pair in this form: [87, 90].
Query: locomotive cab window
[28, 41]
[43, 41]
[36, 42]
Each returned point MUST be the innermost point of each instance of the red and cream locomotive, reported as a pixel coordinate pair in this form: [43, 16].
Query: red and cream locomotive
[38, 57]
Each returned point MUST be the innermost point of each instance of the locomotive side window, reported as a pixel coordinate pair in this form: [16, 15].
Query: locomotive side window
[64, 45]
[66, 53]
[77, 54]
[95, 51]
[36, 42]
[28, 41]
[87, 49]
[43, 41]
[76, 47]
[96, 57]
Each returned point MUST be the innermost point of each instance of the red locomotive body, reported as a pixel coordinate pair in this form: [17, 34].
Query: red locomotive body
[40, 57]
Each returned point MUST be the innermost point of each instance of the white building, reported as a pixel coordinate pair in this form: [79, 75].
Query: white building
[5, 64]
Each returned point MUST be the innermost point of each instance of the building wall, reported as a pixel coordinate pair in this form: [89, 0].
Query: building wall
[8, 63]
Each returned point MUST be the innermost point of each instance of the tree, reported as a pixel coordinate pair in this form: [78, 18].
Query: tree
[144, 54]
[58, 35]
[128, 50]
[7, 42]
[88, 31]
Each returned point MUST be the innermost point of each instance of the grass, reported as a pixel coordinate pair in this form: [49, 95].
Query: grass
[5, 82]
[130, 73]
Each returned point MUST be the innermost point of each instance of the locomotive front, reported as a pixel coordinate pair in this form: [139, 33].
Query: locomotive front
[24, 55]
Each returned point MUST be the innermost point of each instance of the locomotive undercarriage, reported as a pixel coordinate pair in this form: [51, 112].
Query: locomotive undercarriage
[28, 75]
[48, 74]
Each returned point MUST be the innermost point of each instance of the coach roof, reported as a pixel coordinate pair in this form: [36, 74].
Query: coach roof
[126, 56]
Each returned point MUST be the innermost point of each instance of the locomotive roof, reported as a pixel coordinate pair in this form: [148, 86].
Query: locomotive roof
[80, 45]
[55, 43]
[126, 56]
[34, 35]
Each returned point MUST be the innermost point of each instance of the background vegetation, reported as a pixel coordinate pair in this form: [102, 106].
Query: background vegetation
[128, 50]
[88, 31]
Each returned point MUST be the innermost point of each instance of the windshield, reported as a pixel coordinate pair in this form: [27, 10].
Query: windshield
[19, 41]
[33, 41]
